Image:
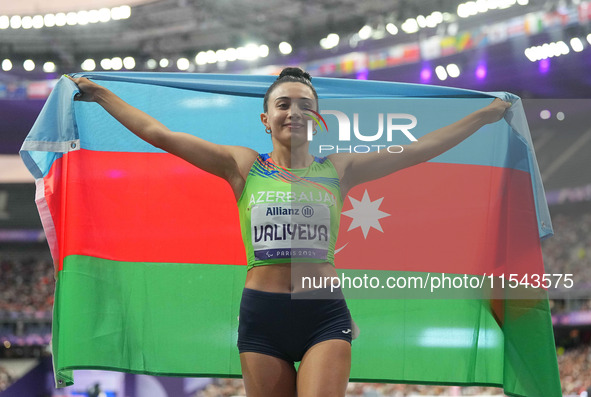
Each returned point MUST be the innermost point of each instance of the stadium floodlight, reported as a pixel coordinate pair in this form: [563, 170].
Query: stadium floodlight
[72, 18]
[576, 44]
[6, 65]
[104, 15]
[163, 63]
[60, 19]
[365, 32]
[128, 63]
[463, 11]
[115, 14]
[332, 40]
[263, 51]
[151, 64]
[121, 12]
[29, 65]
[392, 29]
[221, 56]
[49, 67]
[116, 63]
[507, 3]
[183, 64]
[15, 21]
[240, 53]
[38, 22]
[94, 16]
[437, 17]
[285, 48]
[210, 56]
[482, 5]
[88, 65]
[431, 21]
[252, 51]
[106, 64]
[83, 17]
[4, 22]
[453, 70]
[589, 38]
[49, 20]
[26, 22]
[124, 12]
[410, 26]
[354, 40]
[472, 8]
[421, 21]
[231, 54]
[563, 47]
[441, 73]
[201, 58]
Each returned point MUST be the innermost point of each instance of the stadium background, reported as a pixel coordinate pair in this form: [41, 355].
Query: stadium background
[539, 50]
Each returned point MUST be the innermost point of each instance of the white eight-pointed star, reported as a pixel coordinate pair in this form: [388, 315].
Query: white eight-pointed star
[365, 214]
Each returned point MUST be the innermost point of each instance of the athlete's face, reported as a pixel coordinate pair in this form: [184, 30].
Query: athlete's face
[286, 113]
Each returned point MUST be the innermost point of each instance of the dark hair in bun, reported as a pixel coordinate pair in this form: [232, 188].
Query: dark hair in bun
[290, 75]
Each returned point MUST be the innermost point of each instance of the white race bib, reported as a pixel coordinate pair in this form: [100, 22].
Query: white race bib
[290, 230]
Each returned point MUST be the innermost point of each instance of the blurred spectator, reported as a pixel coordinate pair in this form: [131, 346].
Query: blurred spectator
[5, 378]
[26, 288]
[574, 368]
[569, 252]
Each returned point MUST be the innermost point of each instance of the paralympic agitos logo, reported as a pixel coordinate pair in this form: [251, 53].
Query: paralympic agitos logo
[391, 126]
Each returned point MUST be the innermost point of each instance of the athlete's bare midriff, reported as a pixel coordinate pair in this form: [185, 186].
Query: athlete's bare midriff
[288, 277]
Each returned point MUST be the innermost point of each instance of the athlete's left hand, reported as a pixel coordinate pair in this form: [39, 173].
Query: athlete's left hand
[495, 111]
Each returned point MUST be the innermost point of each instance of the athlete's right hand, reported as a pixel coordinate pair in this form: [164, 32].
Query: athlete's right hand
[88, 90]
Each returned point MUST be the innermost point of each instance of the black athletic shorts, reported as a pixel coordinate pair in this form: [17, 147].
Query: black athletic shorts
[286, 325]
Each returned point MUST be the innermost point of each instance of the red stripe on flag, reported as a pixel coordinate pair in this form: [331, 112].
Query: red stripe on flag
[453, 218]
[142, 207]
[147, 207]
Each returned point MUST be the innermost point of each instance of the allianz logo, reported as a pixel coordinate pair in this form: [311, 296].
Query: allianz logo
[306, 211]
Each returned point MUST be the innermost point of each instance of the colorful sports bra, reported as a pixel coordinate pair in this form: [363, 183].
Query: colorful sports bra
[290, 215]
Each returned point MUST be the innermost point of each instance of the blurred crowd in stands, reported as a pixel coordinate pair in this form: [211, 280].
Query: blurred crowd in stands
[574, 367]
[569, 252]
[26, 288]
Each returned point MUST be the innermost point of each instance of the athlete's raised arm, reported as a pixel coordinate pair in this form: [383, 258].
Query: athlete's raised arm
[356, 168]
[229, 162]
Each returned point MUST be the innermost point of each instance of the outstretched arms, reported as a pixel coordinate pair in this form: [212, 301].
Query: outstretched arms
[354, 168]
[228, 162]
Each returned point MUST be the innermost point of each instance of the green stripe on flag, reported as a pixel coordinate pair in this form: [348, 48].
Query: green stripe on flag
[181, 319]
[153, 318]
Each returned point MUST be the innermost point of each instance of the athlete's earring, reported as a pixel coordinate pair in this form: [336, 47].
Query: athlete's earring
[314, 133]
[268, 130]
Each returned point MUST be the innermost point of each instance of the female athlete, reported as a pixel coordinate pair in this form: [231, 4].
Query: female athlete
[276, 330]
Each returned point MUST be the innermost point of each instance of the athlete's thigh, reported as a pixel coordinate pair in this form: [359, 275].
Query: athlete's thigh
[267, 376]
[324, 370]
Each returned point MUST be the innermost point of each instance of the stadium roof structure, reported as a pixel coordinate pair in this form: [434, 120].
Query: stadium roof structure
[171, 29]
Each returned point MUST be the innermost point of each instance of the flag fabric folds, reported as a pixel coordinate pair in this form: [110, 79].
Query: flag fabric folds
[151, 264]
